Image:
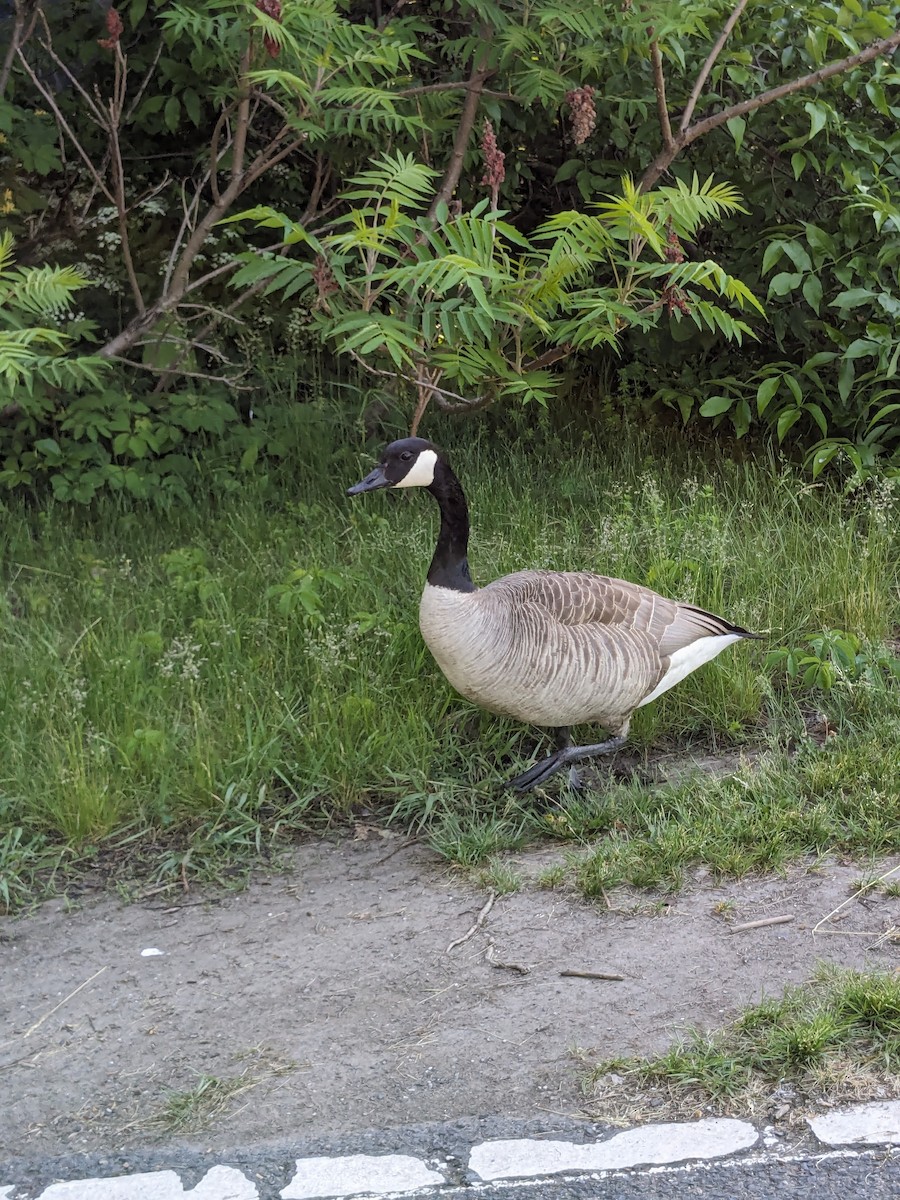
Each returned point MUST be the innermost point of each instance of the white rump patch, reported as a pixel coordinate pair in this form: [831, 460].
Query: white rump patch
[421, 473]
[688, 659]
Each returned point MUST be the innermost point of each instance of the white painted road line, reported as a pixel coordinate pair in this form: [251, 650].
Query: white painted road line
[650, 1144]
[650, 1148]
[220, 1183]
[874, 1124]
[373, 1174]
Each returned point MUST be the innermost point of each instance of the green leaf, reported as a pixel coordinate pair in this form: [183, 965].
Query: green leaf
[172, 113]
[191, 102]
[568, 170]
[846, 376]
[823, 456]
[716, 405]
[812, 292]
[736, 127]
[794, 388]
[787, 418]
[784, 282]
[818, 416]
[741, 418]
[818, 115]
[798, 162]
[861, 348]
[765, 392]
[852, 298]
[49, 447]
[774, 251]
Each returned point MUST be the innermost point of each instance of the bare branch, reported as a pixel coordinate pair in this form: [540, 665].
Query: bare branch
[229, 382]
[709, 64]
[391, 13]
[659, 85]
[95, 109]
[142, 87]
[20, 35]
[66, 128]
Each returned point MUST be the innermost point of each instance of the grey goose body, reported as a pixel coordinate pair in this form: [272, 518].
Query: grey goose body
[548, 648]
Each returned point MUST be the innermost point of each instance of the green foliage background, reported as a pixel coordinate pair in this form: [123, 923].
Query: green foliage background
[345, 86]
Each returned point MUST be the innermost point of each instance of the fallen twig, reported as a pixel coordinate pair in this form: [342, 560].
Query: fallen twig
[65, 1000]
[608, 975]
[761, 924]
[479, 921]
[859, 892]
[502, 966]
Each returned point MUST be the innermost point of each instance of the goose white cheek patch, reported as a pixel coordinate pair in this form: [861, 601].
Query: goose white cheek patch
[421, 474]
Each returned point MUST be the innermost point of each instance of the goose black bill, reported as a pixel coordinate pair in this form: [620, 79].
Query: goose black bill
[373, 481]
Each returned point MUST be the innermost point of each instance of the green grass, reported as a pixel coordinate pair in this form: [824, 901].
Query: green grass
[832, 1037]
[191, 687]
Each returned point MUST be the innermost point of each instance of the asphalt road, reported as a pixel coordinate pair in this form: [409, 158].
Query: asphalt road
[813, 1173]
[870, 1176]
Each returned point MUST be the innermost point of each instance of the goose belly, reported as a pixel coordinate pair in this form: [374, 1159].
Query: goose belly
[543, 676]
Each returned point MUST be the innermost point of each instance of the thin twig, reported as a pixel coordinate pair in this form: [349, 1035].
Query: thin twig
[142, 87]
[65, 1000]
[479, 921]
[607, 975]
[228, 381]
[859, 892]
[709, 64]
[66, 128]
[503, 966]
[762, 923]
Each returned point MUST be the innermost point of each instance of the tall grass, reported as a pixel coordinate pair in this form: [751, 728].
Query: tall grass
[213, 676]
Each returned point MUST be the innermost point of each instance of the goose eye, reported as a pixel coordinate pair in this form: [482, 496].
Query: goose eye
[406, 455]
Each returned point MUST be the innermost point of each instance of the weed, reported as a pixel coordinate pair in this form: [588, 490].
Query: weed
[197, 1107]
[552, 877]
[500, 877]
[818, 1039]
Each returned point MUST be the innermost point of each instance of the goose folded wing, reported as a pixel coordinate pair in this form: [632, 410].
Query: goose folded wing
[581, 598]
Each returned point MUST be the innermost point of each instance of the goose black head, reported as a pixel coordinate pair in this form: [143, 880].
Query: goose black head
[410, 462]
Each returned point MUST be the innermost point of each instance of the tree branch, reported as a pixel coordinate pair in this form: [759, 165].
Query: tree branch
[709, 64]
[659, 86]
[474, 89]
[883, 48]
[20, 36]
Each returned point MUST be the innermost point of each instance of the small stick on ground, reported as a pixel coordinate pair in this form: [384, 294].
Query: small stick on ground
[761, 924]
[859, 891]
[479, 921]
[608, 975]
[502, 966]
[65, 1000]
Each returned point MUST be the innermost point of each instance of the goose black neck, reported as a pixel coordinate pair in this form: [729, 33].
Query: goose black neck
[450, 565]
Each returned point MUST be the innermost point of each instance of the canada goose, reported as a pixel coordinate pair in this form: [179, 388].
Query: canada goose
[552, 648]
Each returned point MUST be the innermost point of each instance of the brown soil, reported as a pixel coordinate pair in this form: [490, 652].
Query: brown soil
[327, 1001]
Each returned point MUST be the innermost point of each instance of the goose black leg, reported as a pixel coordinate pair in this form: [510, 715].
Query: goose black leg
[563, 757]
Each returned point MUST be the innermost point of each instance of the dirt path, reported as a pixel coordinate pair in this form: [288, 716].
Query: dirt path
[326, 1000]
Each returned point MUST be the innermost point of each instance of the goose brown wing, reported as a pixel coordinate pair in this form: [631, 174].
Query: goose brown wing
[582, 598]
